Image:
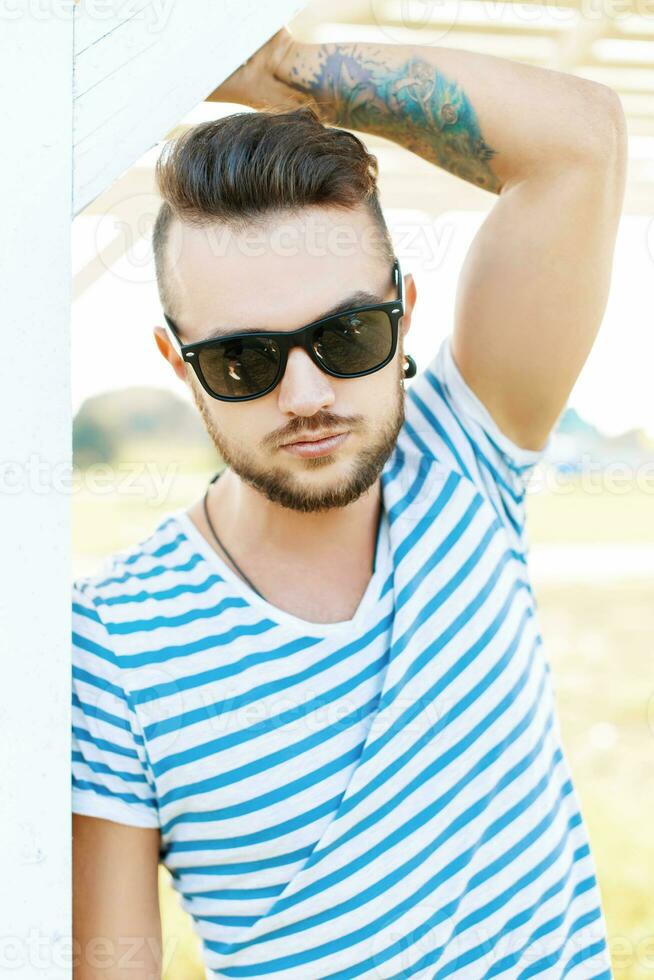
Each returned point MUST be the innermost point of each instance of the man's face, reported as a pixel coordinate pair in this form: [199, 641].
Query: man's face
[281, 276]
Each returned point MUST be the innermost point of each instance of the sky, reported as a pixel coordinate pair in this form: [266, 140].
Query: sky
[113, 319]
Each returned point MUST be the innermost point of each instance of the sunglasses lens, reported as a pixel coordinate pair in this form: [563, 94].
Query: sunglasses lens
[351, 344]
[240, 368]
[355, 342]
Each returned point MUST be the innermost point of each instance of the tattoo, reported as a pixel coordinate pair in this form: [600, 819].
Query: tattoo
[413, 105]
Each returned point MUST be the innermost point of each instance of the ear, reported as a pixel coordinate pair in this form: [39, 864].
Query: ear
[410, 296]
[169, 353]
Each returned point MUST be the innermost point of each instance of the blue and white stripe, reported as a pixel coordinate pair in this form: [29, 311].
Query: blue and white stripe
[385, 797]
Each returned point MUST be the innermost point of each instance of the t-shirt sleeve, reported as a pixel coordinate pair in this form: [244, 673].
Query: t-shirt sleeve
[111, 777]
[448, 420]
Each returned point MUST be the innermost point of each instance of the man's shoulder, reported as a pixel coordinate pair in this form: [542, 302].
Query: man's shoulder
[444, 418]
[120, 609]
[135, 568]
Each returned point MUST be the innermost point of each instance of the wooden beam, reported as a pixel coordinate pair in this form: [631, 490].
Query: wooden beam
[137, 75]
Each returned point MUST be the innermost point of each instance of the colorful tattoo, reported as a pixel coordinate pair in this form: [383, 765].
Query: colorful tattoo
[414, 105]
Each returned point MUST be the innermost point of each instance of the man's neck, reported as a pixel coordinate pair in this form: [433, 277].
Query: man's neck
[249, 524]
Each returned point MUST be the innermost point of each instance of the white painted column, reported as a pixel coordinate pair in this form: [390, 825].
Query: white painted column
[35, 459]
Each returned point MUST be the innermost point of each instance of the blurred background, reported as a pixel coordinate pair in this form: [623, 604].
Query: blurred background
[140, 449]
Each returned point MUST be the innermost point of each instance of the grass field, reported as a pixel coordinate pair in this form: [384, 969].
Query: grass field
[599, 638]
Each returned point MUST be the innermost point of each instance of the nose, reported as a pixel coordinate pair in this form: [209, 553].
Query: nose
[304, 388]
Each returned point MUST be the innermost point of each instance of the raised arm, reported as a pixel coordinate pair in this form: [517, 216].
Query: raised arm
[116, 920]
[551, 146]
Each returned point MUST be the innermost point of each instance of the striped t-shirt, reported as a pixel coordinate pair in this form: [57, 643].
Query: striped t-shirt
[384, 797]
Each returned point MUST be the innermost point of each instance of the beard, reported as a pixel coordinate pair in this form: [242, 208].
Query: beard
[287, 490]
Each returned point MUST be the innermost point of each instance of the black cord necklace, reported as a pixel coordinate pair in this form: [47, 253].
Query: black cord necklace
[221, 545]
[242, 573]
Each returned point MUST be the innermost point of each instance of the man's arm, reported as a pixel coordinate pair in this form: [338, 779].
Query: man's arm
[116, 920]
[552, 146]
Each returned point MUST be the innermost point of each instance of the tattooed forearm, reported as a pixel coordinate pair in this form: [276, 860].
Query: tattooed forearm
[412, 103]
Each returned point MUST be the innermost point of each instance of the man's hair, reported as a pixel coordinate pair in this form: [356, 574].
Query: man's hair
[248, 166]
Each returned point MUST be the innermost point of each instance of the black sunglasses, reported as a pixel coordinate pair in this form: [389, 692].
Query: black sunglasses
[242, 366]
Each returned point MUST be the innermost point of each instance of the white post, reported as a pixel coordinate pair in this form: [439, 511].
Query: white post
[80, 103]
[35, 459]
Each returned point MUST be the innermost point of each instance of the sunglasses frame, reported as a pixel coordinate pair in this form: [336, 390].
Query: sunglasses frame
[288, 339]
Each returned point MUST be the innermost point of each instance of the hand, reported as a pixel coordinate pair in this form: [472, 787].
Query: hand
[259, 82]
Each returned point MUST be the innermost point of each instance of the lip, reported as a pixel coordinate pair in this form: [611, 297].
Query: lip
[308, 438]
[316, 447]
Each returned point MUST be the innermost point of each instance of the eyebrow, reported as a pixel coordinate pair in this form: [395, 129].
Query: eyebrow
[360, 298]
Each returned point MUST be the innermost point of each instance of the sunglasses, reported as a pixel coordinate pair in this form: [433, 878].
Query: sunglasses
[351, 344]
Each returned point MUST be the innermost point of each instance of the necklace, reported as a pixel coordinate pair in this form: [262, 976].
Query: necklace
[242, 573]
[221, 545]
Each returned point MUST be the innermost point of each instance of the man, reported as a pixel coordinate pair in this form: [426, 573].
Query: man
[319, 696]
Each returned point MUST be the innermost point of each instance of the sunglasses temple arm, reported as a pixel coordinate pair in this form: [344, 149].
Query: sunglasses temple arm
[171, 330]
[400, 282]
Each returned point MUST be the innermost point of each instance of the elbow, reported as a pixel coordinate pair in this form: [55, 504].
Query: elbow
[616, 140]
[606, 143]
[620, 136]
[609, 163]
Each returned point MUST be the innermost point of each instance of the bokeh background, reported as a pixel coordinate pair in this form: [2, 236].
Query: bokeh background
[140, 449]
